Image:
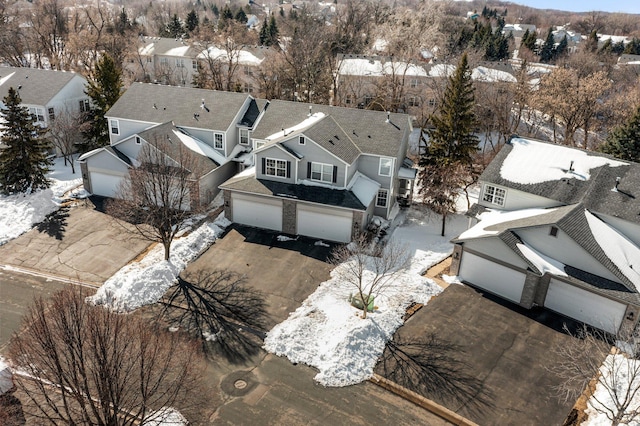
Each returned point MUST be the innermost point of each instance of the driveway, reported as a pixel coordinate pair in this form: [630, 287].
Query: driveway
[274, 391]
[506, 348]
[79, 243]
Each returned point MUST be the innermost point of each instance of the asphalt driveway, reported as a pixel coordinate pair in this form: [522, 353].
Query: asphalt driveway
[79, 243]
[506, 350]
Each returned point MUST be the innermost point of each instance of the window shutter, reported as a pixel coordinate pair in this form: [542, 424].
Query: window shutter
[264, 165]
[288, 169]
[309, 170]
[335, 174]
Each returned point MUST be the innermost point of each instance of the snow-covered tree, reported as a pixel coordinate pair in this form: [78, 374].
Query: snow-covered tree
[24, 158]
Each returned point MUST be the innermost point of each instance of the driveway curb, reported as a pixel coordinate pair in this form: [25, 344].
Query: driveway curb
[421, 401]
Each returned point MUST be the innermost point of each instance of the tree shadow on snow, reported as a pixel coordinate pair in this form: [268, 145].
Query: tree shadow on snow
[55, 224]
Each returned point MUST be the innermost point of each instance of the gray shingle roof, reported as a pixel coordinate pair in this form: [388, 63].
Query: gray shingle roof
[315, 194]
[369, 130]
[178, 104]
[329, 135]
[38, 86]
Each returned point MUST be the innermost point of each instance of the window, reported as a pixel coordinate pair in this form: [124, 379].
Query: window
[194, 65]
[52, 114]
[554, 231]
[164, 61]
[381, 199]
[367, 100]
[36, 113]
[217, 141]
[301, 140]
[494, 195]
[322, 172]
[347, 100]
[385, 167]
[114, 126]
[149, 59]
[414, 83]
[180, 63]
[432, 102]
[138, 140]
[244, 136]
[275, 167]
[414, 101]
[259, 144]
[248, 70]
[248, 88]
[84, 105]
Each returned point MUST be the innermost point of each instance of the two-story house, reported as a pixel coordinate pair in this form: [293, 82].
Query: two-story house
[321, 171]
[560, 229]
[46, 93]
[212, 124]
[163, 60]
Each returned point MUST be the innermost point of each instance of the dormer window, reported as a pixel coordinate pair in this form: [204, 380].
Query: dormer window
[494, 195]
[301, 140]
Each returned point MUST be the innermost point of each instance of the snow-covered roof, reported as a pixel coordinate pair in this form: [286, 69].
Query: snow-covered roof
[494, 217]
[242, 56]
[200, 147]
[442, 70]
[166, 416]
[364, 188]
[491, 75]
[543, 263]
[378, 67]
[622, 252]
[531, 162]
[306, 123]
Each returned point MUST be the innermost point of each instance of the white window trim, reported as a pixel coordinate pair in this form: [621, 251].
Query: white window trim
[275, 167]
[380, 166]
[257, 144]
[114, 124]
[221, 141]
[489, 195]
[386, 199]
[302, 140]
[322, 172]
[240, 131]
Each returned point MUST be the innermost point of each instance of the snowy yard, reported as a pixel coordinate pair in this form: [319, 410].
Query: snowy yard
[19, 213]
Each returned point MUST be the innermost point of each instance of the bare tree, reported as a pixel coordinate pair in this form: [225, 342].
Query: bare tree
[219, 308]
[82, 364]
[65, 131]
[369, 268]
[160, 193]
[589, 360]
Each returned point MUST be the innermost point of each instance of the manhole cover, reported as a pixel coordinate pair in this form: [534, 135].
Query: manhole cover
[240, 384]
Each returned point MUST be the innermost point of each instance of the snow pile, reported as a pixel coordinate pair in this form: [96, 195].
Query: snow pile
[622, 252]
[531, 162]
[328, 333]
[145, 282]
[620, 373]
[19, 212]
[6, 378]
[166, 416]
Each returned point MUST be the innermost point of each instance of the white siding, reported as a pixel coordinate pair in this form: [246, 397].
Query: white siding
[260, 212]
[325, 223]
[493, 277]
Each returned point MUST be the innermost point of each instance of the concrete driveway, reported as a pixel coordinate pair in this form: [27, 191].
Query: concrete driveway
[79, 243]
[506, 349]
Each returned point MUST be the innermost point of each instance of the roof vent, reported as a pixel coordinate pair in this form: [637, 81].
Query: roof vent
[310, 108]
[195, 116]
[204, 106]
[388, 116]
[155, 106]
[571, 166]
[617, 182]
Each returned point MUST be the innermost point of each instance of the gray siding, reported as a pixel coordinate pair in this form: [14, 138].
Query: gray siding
[313, 153]
[104, 162]
[517, 200]
[369, 165]
[127, 128]
[210, 182]
[278, 154]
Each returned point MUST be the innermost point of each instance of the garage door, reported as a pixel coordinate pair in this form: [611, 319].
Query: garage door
[260, 212]
[584, 306]
[323, 223]
[105, 184]
[495, 278]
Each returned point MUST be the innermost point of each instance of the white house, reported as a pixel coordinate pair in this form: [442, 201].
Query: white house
[559, 228]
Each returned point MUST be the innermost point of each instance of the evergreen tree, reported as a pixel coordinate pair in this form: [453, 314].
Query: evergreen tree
[273, 31]
[448, 159]
[215, 10]
[104, 88]
[24, 160]
[241, 16]
[591, 44]
[192, 21]
[562, 47]
[624, 141]
[529, 40]
[123, 22]
[633, 47]
[547, 50]
[264, 33]
[174, 27]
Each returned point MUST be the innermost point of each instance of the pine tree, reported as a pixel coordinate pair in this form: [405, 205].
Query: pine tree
[104, 88]
[547, 50]
[273, 31]
[174, 27]
[561, 48]
[241, 16]
[192, 21]
[24, 161]
[215, 10]
[592, 42]
[264, 33]
[624, 141]
[448, 159]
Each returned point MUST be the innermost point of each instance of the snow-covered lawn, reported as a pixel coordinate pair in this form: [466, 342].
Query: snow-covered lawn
[19, 213]
[144, 282]
[327, 333]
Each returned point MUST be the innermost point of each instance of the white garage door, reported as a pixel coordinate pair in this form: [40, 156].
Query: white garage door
[260, 212]
[495, 278]
[104, 184]
[323, 223]
[584, 306]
